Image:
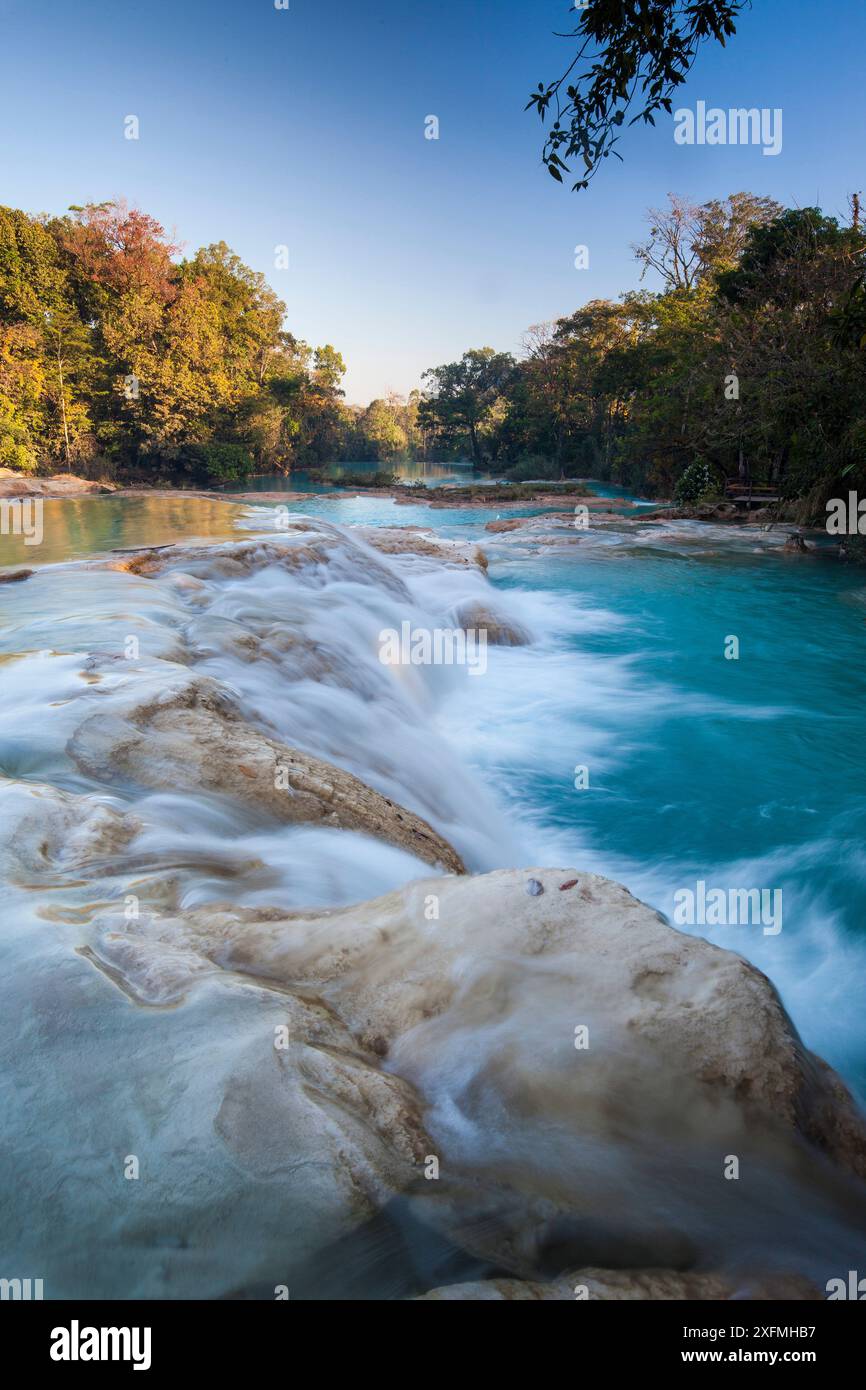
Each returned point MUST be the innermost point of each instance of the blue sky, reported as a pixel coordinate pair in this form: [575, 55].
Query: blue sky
[305, 127]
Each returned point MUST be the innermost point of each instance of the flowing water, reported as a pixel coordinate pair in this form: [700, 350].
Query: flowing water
[620, 739]
[329, 480]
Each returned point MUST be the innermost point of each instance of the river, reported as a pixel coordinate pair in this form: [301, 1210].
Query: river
[621, 739]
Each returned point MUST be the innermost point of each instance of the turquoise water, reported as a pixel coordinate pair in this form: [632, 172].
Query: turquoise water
[450, 522]
[75, 528]
[410, 471]
[743, 774]
[751, 771]
[747, 773]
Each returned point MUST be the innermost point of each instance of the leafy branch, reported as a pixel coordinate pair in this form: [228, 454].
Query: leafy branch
[629, 49]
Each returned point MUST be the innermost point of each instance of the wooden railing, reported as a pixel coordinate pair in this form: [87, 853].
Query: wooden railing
[751, 494]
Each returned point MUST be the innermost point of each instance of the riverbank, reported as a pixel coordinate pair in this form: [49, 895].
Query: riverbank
[121, 519]
[13, 484]
[448, 494]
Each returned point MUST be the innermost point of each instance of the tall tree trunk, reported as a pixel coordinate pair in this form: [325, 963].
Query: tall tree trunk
[476, 453]
[63, 407]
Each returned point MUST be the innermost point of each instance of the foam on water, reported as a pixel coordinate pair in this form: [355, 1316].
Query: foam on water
[740, 774]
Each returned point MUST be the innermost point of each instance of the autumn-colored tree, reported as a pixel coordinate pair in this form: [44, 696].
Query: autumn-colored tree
[49, 359]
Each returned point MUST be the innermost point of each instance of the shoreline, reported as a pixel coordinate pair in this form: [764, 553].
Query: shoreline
[549, 498]
[62, 487]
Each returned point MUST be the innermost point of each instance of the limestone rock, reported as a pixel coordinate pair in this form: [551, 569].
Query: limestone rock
[301, 545]
[582, 1072]
[188, 733]
[561, 1152]
[501, 631]
[411, 540]
[14, 484]
[685, 1039]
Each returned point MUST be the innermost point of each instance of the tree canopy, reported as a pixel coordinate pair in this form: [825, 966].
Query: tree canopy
[118, 354]
[750, 359]
[459, 407]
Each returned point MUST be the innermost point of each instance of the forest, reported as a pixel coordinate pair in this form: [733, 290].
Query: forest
[120, 359]
[117, 359]
[749, 362]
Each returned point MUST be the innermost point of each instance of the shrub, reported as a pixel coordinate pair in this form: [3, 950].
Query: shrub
[532, 467]
[15, 455]
[379, 479]
[216, 463]
[583, 462]
[699, 480]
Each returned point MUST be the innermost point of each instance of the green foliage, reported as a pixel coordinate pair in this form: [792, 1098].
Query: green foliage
[532, 468]
[751, 360]
[381, 428]
[464, 400]
[512, 492]
[215, 463]
[380, 478]
[854, 549]
[699, 481]
[14, 452]
[627, 50]
[688, 244]
[114, 353]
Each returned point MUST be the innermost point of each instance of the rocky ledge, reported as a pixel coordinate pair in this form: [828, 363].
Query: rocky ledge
[583, 1082]
[13, 484]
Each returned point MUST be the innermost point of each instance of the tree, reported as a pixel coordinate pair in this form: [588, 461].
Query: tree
[786, 313]
[22, 379]
[328, 371]
[48, 359]
[561, 417]
[69, 348]
[687, 242]
[461, 399]
[726, 225]
[381, 432]
[113, 349]
[627, 50]
[249, 315]
[115, 249]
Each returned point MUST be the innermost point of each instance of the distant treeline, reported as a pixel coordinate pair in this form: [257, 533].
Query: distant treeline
[750, 363]
[116, 357]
